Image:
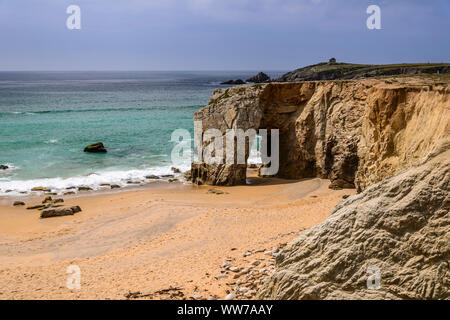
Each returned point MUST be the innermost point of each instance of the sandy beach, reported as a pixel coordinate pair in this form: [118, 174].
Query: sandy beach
[168, 242]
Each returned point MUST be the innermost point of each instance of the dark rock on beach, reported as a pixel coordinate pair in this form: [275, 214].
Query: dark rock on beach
[259, 78]
[47, 200]
[152, 176]
[84, 188]
[96, 148]
[49, 213]
[187, 175]
[3, 167]
[40, 189]
[115, 186]
[175, 170]
[37, 207]
[18, 203]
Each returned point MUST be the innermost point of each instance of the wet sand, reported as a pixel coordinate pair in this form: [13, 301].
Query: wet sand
[136, 243]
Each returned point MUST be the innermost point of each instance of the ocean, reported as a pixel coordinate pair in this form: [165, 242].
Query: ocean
[47, 118]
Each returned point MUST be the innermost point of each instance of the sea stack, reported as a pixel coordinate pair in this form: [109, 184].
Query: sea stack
[259, 78]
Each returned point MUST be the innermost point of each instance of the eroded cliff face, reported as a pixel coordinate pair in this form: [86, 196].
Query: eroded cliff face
[398, 228]
[388, 137]
[354, 133]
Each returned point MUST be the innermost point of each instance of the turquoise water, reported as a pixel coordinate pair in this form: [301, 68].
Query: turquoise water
[47, 118]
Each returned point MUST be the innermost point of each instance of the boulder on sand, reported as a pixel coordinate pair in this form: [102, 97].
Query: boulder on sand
[49, 213]
[47, 199]
[96, 148]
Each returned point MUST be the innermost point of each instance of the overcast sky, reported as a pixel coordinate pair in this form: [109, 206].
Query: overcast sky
[218, 34]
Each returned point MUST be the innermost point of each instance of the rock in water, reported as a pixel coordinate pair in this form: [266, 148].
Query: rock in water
[96, 148]
[400, 226]
[49, 213]
[238, 81]
[260, 77]
[40, 189]
[3, 167]
[84, 188]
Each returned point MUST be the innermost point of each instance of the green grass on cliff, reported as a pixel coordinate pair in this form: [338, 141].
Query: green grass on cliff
[336, 71]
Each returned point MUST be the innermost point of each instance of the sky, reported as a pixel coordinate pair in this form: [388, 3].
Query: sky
[219, 34]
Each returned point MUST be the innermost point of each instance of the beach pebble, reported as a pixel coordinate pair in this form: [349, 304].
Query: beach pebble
[234, 269]
[197, 296]
[245, 271]
[248, 253]
[268, 253]
[115, 186]
[47, 199]
[250, 293]
[221, 276]
[243, 289]
[18, 203]
[152, 176]
[256, 263]
[230, 296]
[58, 200]
[225, 265]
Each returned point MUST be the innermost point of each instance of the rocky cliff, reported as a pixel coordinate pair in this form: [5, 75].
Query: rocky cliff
[355, 133]
[335, 71]
[388, 137]
[399, 228]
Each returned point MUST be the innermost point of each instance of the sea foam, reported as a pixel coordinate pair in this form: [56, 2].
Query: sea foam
[94, 181]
